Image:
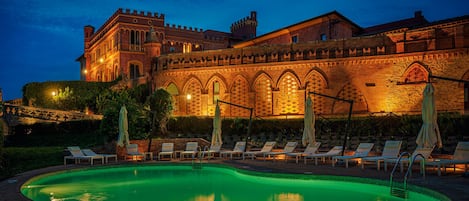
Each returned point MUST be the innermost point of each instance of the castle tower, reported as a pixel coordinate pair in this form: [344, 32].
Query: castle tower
[152, 48]
[89, 31]
[245, 28]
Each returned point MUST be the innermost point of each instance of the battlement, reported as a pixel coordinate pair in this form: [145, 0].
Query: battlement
[140, 13]
[246, 21]
[182, 28]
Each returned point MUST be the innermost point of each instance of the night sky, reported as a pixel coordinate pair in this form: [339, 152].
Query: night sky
[40, 39]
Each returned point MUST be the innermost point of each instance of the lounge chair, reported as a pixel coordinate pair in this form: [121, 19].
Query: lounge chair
[267, 148]
[78, 155]
[191, 150]
[90, 152]
[335, 151]
[237, 150]
[460, 156]
[391, 150]
[167, 149]
[425, 152]
[214, 149]
[289, 148]
[309, 150]
[132, 151]
[363, 150]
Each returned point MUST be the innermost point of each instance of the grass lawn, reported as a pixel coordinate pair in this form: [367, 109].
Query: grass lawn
[22, 159]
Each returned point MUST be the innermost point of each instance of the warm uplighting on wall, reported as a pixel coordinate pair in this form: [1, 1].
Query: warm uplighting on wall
[188, 97]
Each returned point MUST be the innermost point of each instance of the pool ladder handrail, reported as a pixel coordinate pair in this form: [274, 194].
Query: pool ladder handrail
[402, 192]
[200, 156]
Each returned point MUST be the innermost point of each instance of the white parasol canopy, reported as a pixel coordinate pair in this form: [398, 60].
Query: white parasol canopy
[216, 133]
[309, 136]
[123, 128]
[429, 134]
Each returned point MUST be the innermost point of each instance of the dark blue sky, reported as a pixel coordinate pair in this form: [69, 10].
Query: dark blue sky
[42, 38]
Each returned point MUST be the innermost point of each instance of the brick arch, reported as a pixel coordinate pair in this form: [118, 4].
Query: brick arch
[286, 73]
[193, 86]
[262, 86]
[239, 94]
[216, 77]
[415, 73]
[212, 96]
[349, 92]
[288, 99]
[315, 81]
[174, 91]
[257, 76]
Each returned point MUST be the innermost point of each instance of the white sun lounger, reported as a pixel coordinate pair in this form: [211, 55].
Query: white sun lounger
[78, 156]
[335, 151]
[391, 150]
[167, 149]
[460, 156]
[363, 150]
[267, 148]
[309, 150]
[289, 147]
[90, 152]
[237, 150]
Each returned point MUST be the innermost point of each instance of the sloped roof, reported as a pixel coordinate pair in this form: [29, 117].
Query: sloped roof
[298, 25]
[416, 21]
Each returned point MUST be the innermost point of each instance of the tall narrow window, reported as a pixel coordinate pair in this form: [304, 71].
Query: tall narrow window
[294, 39]
[216, 91]
[323, 37]
[134, 71]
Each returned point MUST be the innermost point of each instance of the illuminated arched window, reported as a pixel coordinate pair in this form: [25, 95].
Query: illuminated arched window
[187, 47]
[288, 100]
[193, 93]
[240, 96]
[316, 83]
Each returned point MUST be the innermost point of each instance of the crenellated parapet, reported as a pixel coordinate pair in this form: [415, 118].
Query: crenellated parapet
[246, 21]
[141, 13]
[127, 16]
[356, 47]
[174, 27]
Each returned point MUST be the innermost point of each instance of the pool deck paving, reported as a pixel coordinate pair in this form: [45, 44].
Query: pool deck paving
[453, 185]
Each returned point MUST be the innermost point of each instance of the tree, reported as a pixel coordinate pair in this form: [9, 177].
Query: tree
[160, 108]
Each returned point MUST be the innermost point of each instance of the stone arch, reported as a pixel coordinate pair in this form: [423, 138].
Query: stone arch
[316, 81]
[262, 86]
[239, 94]
[415, 73]
[288, 98]
[350, 92]
[193, 87]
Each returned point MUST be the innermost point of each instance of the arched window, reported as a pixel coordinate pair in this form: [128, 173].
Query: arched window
[415, 74]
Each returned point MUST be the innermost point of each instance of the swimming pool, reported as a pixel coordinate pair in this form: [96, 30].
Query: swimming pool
[212, 182]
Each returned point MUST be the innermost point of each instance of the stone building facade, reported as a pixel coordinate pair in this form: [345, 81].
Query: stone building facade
[382, 68]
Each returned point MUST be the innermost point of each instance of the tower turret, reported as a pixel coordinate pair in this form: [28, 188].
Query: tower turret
[245, 28]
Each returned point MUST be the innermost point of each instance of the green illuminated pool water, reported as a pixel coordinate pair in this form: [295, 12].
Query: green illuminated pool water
[180, 182]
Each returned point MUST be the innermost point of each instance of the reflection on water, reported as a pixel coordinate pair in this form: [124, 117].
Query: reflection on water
[287, 197]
